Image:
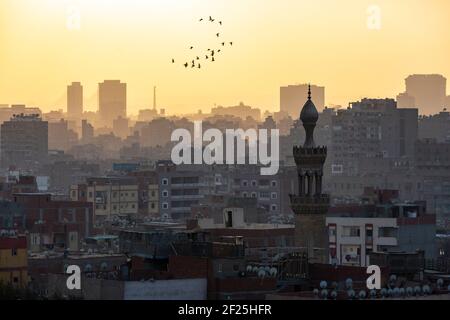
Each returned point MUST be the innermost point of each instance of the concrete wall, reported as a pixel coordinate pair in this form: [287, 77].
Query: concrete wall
[186, 289]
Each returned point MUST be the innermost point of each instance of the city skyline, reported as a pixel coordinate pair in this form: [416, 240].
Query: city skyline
[308, 43]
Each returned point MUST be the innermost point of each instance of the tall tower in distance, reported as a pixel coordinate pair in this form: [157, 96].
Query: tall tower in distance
[154, 98]
[75, 100]
[310, 205]
[112, 96]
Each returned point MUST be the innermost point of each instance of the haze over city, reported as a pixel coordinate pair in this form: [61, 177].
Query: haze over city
[279, 43]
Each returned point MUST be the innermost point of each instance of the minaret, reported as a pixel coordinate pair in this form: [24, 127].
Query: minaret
[310, 205]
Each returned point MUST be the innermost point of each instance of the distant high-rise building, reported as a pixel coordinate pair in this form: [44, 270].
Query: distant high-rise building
[87, 132]
[404, 100]
[428, 91]
[24, 141]
[292, 97]
[75, 100]
[112, 96]
[121, 128]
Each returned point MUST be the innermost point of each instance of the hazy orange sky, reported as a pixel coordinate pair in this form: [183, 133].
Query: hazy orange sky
[277, 42]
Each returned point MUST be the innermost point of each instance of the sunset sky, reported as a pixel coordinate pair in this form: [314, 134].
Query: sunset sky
[276, 42]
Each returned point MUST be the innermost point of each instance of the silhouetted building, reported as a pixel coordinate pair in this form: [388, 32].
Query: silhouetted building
[310, 205]
[428, 91]
[24, 141]
[60, 137]
[75, 100]
[112, 101]
[293, 96]
[120, 127]
[87, 132]
[371, 129]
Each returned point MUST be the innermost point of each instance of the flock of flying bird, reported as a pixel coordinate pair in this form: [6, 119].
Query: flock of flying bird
[211, 54]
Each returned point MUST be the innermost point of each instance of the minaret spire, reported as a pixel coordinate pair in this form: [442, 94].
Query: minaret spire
[309, 91]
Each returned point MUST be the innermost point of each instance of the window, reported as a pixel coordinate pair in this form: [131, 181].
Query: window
[274, 183]
[245, 183]
[152, 205]
[165, 205]
[165, 182]
[245, 194]
[387, 232]
[264, 195]
[274, 195]
[254, 184]
[114, 194]
[273, 207]
[153, 193]
[165, 193]
[350, 232]
[14, 251]
[332, 232]
[254, 194]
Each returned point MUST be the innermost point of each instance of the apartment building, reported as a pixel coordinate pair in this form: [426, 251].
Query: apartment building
[13, 258]
[110, 196]
[355, 232]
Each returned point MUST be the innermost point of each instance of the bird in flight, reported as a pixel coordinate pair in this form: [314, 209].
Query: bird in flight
[173, 60]
[212, 53]
[217, 34]
[220, 22]
[218, 51]
[198, 58]
[201, 20]
[211, 19]
[186, 65]
[231, 43]
[206, 57]
[199, 66]
[223, 44]
[213, 59]
[192, 47]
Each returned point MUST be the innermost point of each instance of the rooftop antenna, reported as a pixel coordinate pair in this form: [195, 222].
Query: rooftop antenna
[154, 98]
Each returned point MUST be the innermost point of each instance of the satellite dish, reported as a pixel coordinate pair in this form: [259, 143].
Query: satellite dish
[249, 268]
[426, 289]
[273, 272]
[390, 292]
[417, 290]
[261, 274]
[362, 294]
[409, 291]
[349, 283]
[316, 292]
[323, 284]
[351, 293]
[255, 269]
[334, 294]
[324, 293]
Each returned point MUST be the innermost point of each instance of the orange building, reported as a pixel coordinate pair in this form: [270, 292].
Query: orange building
[13, 260]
